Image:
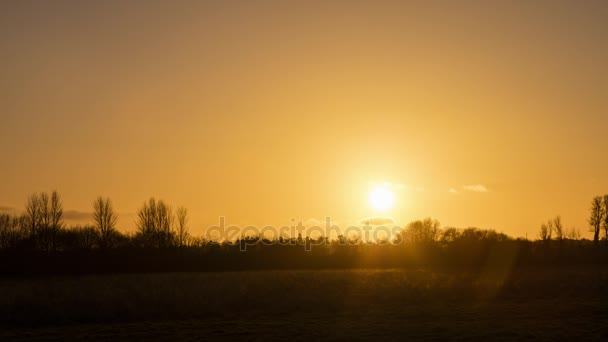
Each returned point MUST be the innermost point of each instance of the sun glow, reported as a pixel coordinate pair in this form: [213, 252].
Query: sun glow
[381, 198]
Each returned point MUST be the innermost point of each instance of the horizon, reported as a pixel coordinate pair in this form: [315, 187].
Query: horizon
[128, 223]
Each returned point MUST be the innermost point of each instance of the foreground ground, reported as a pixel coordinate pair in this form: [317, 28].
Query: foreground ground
[299, 305]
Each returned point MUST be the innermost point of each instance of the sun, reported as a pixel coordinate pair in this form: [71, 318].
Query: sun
[381, 198]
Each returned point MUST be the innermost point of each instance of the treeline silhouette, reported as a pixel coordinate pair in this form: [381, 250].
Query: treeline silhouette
[38, 242]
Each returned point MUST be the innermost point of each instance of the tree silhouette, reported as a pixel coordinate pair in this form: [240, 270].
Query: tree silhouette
[574, 234]
[545, 231]
[182, 226]
[155, 222]
[44, 215]
[33, 215]
[595, 219]
[558, 227]
[105, 220]
[55, 218]
[13, 229]
[450, 235]
[80, 238]
[425, 231]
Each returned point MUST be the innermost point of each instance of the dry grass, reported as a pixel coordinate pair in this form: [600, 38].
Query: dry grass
[302, 304]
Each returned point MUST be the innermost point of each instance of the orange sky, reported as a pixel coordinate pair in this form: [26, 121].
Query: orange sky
[489, 114]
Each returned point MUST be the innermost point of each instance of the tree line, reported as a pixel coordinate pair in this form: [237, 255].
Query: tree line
[554, 229]
[41, 226]
[39, 241]
[598, 218]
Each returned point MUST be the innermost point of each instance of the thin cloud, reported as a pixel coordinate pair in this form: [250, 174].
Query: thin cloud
[79, 216]
[377, 221]
[453, 191]
[6, 209]
[475, 188]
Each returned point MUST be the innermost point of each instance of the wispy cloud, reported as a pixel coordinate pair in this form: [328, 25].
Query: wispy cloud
[453, 191]
[377, 221]
[475, 188]
[75, 215]
[6, 209]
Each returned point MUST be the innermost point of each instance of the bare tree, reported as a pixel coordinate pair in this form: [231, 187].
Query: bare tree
[574, 233]
[52, 216]
[105, 220]
[56, 212]
[182, 226]
[558, 228]
[545, 231]
[44, 216]
[595, 219]
[165, 221]
[45, 209]
[13, 230]
[426, 231]
[154, 222]
[32, 212]
[449, 235]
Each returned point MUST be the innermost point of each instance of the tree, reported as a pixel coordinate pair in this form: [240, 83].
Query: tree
[182, 226]
[574, 234]
[32, 213]
[595, 219]
[545, 231]
[558, 228]
[52, 217]
[425, 231]
[15, 230]
[449, 235]
[155, 222]
[56, 211]
[80, 237]
[105, 220]
[44, 215]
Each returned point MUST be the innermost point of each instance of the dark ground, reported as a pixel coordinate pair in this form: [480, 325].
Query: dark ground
[303, 305]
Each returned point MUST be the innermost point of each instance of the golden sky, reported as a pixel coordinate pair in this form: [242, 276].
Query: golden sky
[478, 113]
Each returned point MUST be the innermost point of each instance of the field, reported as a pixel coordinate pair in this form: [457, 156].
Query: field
[330, 304]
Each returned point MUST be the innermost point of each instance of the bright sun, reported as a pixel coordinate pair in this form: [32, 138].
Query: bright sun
[381, 198]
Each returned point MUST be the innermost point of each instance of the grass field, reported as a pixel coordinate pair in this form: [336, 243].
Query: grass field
[338, 304]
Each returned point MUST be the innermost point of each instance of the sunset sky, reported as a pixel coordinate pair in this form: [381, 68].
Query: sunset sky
[477, 113]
